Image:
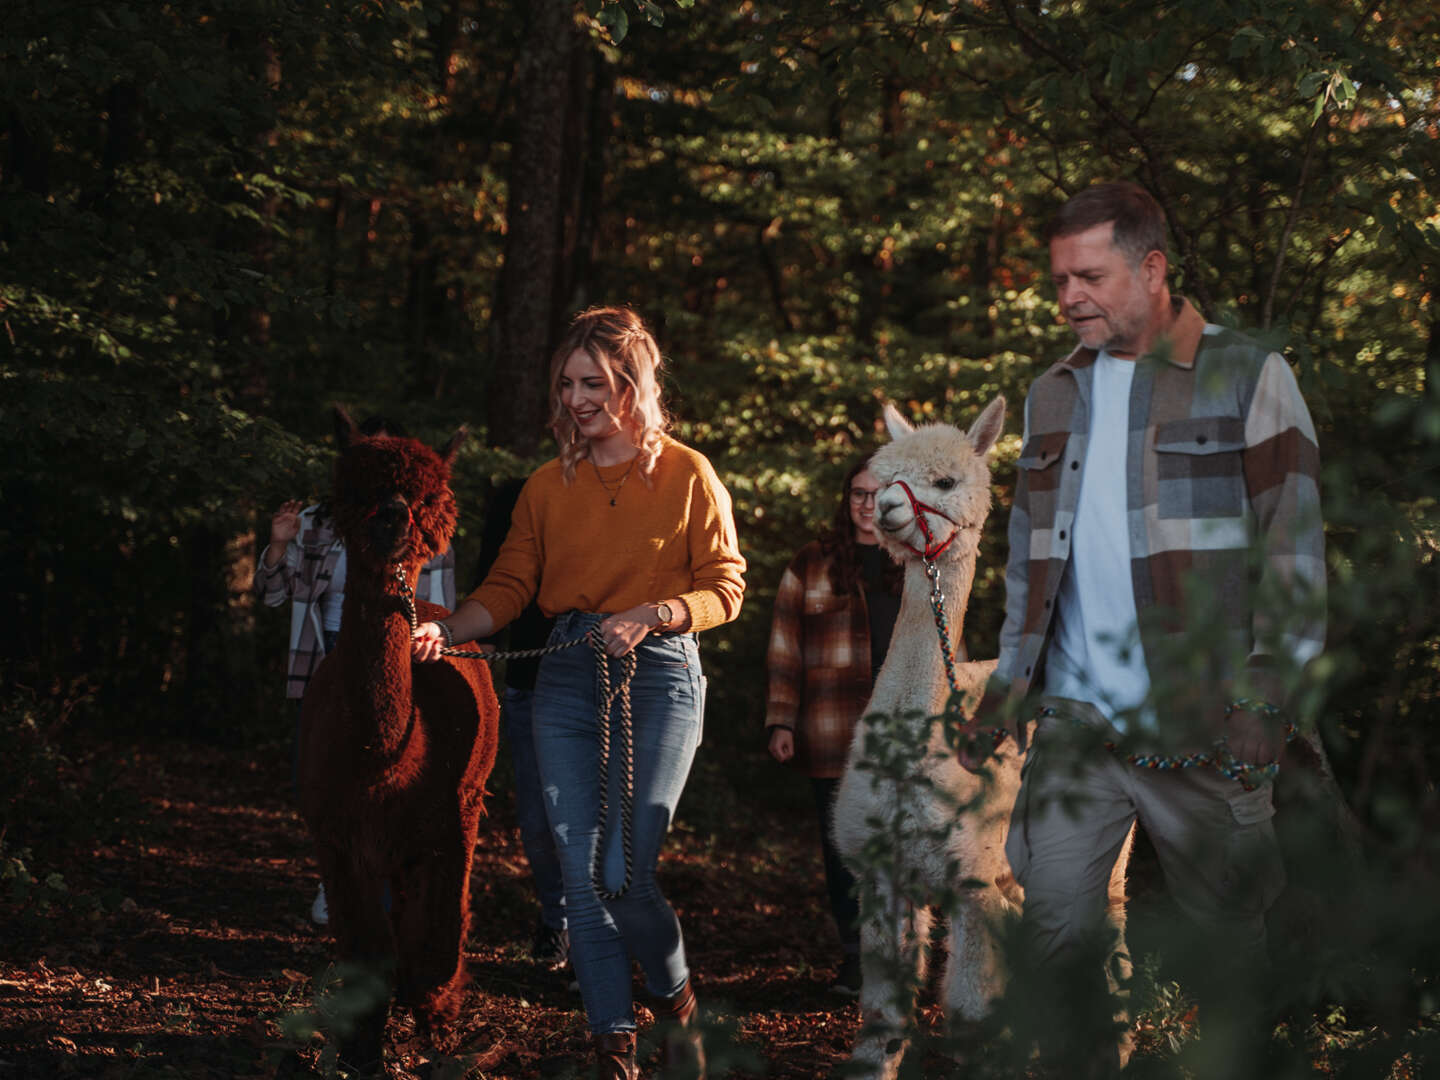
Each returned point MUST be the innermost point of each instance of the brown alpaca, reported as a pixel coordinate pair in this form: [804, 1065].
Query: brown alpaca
[394, 756]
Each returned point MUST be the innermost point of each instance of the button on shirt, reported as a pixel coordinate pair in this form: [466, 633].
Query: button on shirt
[1095, 653]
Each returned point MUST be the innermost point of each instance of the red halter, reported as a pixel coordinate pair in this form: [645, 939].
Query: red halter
[920, 509]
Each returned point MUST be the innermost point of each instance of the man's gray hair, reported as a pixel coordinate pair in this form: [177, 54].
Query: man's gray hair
[1139, 222]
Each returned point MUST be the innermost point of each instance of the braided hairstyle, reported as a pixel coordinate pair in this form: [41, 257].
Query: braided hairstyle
[618, 340]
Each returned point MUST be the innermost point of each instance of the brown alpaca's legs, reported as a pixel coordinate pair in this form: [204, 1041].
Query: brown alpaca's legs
[432, 926]
[365, 947]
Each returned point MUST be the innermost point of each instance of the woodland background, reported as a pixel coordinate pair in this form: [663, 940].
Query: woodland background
[216, 218]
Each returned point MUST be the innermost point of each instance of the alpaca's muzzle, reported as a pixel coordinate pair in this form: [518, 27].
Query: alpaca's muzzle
[387, 527]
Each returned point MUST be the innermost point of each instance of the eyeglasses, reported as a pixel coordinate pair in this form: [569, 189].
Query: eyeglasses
[861, 496]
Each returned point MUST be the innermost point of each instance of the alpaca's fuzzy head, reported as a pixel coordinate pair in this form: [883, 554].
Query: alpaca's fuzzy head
[392, 501]
[944, 468]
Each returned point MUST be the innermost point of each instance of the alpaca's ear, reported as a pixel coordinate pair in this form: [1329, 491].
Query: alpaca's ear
[896, 424]
[450, 449]
[345, 428]
[986, 430]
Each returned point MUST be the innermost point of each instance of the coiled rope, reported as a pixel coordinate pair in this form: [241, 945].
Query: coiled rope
[606, 696]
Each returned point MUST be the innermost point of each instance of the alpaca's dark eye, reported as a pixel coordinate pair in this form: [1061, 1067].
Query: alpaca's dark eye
[945, 483]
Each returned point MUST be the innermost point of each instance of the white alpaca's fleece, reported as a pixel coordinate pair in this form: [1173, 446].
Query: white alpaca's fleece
[948, 470]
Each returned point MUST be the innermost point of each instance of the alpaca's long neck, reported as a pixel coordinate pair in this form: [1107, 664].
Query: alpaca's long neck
[374, 651]
[914, 675]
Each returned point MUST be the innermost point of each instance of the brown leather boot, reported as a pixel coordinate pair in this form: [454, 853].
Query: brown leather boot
[615, 1056]
[681, 1047]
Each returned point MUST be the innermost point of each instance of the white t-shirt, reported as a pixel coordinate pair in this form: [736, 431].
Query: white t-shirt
[1095, 653]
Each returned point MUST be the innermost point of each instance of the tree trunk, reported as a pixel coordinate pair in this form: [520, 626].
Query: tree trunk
[243, 333]
[424, 305]
[122, 135]
[985, 257]
[775, 279]
[589, 120]
[525, 315]
[217, 673]
[427, 307]
[29, 158]
[334, 228]
[1431, 370]
[872, 267]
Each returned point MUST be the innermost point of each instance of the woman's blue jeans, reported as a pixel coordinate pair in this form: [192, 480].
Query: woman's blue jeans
[517, 719]
[666, 710]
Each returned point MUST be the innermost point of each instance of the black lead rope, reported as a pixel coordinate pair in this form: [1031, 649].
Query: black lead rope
[606, 697]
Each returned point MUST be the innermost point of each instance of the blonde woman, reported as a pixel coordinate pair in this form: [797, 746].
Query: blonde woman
[631, 532]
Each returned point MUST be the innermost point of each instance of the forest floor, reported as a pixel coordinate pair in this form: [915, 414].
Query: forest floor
[184, 948]
[181, 947]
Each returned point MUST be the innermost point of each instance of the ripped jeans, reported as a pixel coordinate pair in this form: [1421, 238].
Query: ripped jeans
[666, 709]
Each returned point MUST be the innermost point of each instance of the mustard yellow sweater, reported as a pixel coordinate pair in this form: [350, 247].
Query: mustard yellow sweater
[570, 549]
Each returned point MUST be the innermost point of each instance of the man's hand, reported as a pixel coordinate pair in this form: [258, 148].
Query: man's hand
[782, 744]
[1253, 738]
[977, 746]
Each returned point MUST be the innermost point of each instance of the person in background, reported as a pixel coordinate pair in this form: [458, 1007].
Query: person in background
[550, 946]
[834, 614]
[630, 535]
[304, 563]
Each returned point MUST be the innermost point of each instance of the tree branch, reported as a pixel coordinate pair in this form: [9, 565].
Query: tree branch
[1291, 218]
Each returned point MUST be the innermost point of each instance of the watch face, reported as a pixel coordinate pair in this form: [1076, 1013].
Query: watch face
[665, 614]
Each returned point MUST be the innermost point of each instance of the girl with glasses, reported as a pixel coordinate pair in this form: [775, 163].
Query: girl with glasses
[834, 614]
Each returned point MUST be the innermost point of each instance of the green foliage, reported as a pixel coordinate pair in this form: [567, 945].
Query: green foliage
[345, 996]
[51, 798]
[215, 225]
[1350, 986]
[49, 804]
[22, 891]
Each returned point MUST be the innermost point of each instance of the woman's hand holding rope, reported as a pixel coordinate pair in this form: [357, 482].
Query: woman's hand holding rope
[426, 642]
[469, 621]
[620, 632]
[626, 629]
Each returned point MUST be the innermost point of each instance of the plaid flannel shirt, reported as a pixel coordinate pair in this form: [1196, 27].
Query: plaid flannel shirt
[303, 576]
[819, 663]
[1222, 460]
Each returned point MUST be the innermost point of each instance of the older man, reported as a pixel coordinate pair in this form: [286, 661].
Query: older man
[1166, 561]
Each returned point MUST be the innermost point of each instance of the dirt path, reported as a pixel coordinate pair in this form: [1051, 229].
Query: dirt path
[180, 950]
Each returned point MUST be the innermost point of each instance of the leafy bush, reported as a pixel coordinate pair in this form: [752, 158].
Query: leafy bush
[50, 803]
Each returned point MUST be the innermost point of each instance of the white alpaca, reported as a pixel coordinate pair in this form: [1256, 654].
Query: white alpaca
[948, 479]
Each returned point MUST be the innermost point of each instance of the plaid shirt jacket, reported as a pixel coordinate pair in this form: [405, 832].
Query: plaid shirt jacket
[1222, 464]
[303, 577]
[819, 663]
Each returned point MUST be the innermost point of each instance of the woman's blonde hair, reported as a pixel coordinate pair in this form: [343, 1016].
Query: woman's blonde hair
[618, 340]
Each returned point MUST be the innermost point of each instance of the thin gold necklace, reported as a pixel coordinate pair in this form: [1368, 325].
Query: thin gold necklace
[606, 484]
